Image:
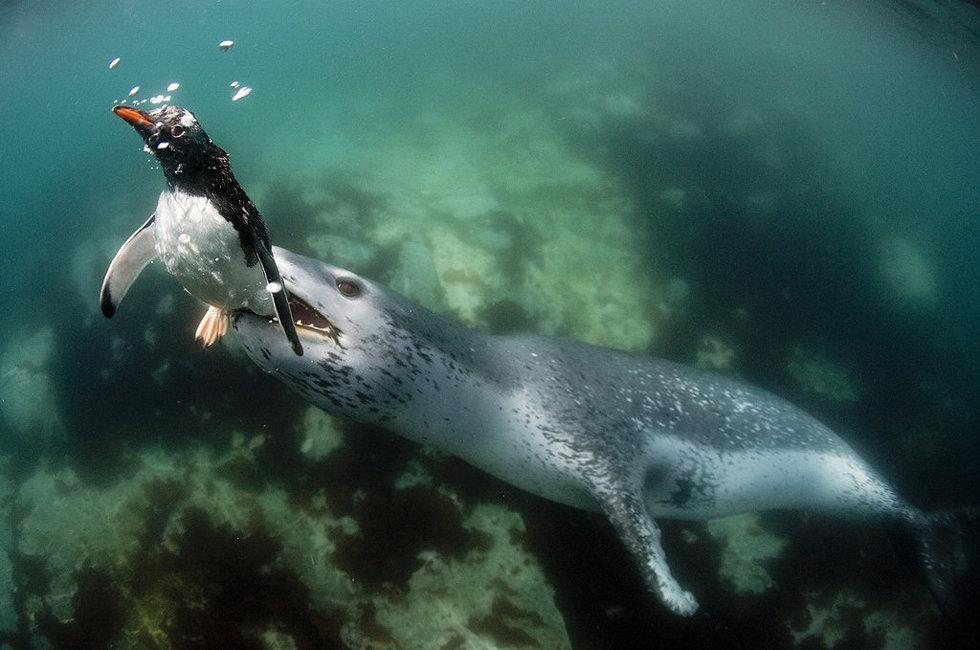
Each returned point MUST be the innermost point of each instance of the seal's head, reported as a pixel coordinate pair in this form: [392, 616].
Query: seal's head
[173, 135]
[359, 354]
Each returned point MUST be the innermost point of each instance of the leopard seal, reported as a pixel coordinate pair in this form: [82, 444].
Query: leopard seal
[631, 436]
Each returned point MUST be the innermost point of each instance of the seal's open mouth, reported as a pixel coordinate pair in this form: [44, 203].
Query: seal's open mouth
[308, 318]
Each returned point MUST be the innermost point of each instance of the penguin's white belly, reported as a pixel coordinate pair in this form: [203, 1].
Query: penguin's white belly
[202, 250]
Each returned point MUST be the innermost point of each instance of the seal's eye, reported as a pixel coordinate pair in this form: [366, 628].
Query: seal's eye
[348, 288]
[177, 131]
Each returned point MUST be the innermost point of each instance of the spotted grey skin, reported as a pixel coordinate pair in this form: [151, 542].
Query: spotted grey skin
[634, 437]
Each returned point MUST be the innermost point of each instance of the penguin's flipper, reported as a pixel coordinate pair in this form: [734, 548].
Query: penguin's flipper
[280, 298]
[132, 257]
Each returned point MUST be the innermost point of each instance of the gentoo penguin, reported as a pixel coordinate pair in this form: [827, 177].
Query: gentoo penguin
[208, 233]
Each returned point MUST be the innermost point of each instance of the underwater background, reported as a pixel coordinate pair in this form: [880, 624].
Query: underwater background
[786, 192]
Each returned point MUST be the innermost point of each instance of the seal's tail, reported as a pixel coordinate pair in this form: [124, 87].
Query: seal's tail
[935, 545]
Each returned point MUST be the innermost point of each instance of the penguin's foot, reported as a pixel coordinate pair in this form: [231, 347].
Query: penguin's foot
[213, 326]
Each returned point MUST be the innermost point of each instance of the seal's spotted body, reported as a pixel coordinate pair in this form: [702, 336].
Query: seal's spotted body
[634, 437]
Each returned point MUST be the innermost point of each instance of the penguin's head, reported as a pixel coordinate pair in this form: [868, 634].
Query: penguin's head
[172, 134]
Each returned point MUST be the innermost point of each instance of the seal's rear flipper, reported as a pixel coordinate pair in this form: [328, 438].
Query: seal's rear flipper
[132, 257]
[280, 297]
[935, 544]
[628, 515]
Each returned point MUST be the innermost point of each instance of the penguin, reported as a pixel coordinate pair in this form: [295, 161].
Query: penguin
[205, 229]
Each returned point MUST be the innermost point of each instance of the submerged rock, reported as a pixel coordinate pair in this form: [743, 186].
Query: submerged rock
[834, 618]
[714, 354]
[199, 545]
[827, 623]
[342, 251]
[140, 529]
[907, 276]
[748, 546]
[493, 597]
[8, 611]
[503, 226]
[320, 436]
[821, 376]
[28, 402]
[416, 276]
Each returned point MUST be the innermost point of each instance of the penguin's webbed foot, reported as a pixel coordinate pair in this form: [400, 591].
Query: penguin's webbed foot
[212, 327]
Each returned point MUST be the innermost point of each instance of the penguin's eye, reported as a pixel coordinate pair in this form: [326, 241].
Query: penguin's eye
[348, 288]
[177, 131]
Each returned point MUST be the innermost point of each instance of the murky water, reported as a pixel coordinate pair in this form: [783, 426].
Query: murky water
[787, 193]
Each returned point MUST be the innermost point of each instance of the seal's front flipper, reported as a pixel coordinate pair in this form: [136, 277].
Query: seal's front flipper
[640, 534]
[138, 251]
[279, 297]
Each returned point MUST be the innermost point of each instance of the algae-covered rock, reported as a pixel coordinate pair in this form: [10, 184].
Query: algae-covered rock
[833, 617]
[821, 376]
[493, 597]
[893, 630]
[416, 276]
[319, 434]
[713, 353]
[748, 546]
[414, 474]
[345, 252]
[201, 543]
[829, 620]
[500, 225]
[144, 531]
[68, 528]
[907, 276]
[28, 402]
[8, 611]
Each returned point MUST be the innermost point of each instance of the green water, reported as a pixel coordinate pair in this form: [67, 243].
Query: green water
[785, 192]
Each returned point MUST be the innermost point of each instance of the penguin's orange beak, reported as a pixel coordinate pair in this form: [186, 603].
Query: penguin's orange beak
[133, 116]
